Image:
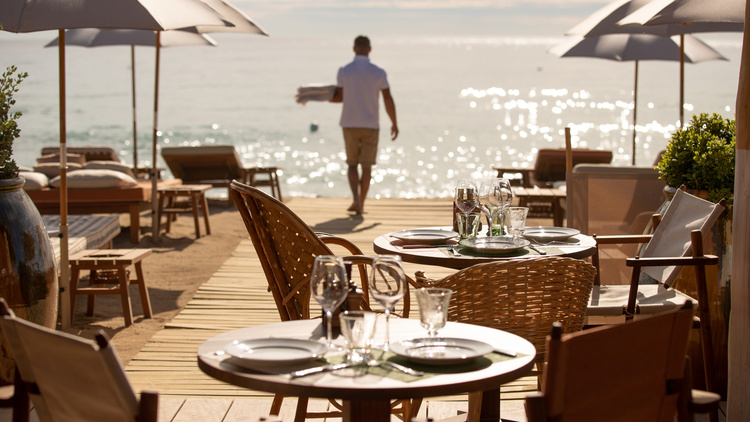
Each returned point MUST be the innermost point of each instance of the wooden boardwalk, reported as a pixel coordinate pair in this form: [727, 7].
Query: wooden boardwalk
[236, 296]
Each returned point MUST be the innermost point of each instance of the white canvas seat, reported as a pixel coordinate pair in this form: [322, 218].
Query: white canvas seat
[70, 379]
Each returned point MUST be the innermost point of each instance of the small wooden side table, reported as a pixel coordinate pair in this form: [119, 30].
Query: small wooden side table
[101, 263]
[170, 205]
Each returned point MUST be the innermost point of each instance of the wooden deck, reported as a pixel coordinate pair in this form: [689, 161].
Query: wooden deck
[236, 296]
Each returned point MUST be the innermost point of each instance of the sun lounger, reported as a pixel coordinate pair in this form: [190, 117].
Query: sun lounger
[131, 200]
[216, 165]
[84, 232]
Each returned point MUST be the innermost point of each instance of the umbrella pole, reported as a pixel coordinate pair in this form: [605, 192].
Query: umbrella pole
[635, 106]
[64, 259]
[682, 80]
[154, 173]
[135, 130]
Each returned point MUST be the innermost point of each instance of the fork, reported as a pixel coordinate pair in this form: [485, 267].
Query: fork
[451, 248]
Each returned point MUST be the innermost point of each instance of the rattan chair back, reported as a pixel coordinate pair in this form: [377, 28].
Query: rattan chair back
[286, 247]
[522, 296]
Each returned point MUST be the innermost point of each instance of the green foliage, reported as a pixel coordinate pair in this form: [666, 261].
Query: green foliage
[701, 156]
[9, 130]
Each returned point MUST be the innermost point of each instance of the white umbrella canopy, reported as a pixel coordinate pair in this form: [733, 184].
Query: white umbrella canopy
[694, 12]
[610, 19]
[22, 16]
[636, 47]
[92, 37]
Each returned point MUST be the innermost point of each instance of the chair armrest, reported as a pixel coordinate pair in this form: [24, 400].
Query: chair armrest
[676, 260]
[624, 238]
[330, 239]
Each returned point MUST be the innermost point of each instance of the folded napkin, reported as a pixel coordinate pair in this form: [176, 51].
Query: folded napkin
[314, 92]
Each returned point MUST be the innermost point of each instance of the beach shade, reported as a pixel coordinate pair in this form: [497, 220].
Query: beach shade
[22, 16]
[636, 47]
[92, 37]
[237, 22]
[669, 12]
[610, 20]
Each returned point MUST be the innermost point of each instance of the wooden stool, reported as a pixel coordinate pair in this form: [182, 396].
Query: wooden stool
[102, 263]
[272, 181]
[170, 206]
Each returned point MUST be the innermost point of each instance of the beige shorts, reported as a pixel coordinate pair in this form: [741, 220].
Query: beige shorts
[361, 145]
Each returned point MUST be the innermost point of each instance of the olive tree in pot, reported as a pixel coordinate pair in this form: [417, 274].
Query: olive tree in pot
[28, 274]
[702, 157]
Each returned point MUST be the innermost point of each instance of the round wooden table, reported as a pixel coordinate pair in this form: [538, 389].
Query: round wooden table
[579, 246]
[366, 396]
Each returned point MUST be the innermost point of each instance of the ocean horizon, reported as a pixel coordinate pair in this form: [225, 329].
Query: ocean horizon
[464, 104]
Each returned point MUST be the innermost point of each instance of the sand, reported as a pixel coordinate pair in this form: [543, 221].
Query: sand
[180, 263]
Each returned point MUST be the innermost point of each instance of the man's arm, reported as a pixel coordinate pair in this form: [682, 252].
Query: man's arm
[390, 108]
[338, 95]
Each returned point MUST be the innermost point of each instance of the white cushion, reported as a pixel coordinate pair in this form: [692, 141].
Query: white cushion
[95, 179]
[34, 180]
[109, 165]
[650, 299]
[53, 169]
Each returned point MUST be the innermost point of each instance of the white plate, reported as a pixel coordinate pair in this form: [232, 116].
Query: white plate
[494, 245]
[425, 235]
[440, 350]
[549, 234]
[275, 350]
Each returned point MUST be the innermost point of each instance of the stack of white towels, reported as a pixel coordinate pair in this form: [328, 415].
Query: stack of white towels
[314, 92]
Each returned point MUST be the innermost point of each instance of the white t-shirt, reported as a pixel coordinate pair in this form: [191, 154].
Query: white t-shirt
[361, 82]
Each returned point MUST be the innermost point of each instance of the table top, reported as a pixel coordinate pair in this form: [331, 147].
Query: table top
[362, 383]
[186, 189]
[579, 246]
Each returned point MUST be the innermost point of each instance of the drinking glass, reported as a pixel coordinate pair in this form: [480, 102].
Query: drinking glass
[517, 221]
[486, 187]
[500, 196]
[387, 286]
[466, 196]
[433, 308]
[358, 328]
[329, 288]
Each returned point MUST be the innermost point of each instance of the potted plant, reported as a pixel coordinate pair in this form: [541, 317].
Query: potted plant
[28, 274]
[702, 157]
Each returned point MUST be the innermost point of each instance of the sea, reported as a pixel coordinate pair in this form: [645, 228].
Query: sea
[464, 104]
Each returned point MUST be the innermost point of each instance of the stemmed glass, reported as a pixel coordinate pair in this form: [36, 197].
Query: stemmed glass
[387, 286]
[466, 196]
[486, 187]
[501, 197]
[329, 288]
[433, 308]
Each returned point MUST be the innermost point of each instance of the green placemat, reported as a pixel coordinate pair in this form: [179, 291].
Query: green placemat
[463, 250]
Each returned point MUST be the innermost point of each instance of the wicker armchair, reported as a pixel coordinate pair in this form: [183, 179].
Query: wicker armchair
[287, 248]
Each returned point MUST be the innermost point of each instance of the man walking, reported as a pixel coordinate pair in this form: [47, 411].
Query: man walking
[358, 85]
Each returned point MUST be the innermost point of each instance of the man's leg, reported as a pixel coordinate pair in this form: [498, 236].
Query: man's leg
[364, 186]
[354, 185]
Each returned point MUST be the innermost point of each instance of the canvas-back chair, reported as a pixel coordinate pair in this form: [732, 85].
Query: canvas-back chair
[613, 200]
[521, 296]
[677, 241]
[287, 247]
[635, 371]
[215, 165]
[70, 379]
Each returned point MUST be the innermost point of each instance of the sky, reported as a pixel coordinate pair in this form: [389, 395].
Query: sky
[418, 17]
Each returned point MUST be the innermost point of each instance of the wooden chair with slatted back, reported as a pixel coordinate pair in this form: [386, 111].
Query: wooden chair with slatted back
[70, 379]
[521, 296]
[287, 247]
[634, 371]
[677, 241]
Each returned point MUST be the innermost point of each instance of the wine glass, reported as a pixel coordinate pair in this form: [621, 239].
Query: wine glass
[486, 187]
[387, 286]
[329, 288]
[433, 308]
[501, 197]
[466, 196]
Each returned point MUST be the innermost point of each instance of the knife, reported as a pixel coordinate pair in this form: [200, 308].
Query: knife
[505, 352]
[318, 369]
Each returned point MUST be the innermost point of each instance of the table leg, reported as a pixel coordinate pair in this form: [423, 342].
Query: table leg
[490, 410]
[143, 289]
[127, 309]
[204, 201]
[196, 220]
[135, 224]
[367, 411]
